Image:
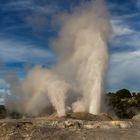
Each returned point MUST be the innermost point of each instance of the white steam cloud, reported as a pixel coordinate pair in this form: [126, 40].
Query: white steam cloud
[77, 79]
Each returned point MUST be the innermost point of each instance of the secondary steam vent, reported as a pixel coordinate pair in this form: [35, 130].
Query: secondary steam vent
[77, 80]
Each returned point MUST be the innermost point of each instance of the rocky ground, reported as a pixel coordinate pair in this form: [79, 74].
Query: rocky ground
[76, 126]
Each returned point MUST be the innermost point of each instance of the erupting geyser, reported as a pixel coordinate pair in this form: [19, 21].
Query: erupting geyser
[78, 77]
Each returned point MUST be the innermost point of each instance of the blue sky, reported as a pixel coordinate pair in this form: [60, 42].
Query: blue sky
[26, 26]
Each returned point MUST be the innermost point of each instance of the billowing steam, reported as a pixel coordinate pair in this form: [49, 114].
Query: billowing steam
[77, 80]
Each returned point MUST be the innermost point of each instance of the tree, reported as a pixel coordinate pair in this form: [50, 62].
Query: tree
[123, 93]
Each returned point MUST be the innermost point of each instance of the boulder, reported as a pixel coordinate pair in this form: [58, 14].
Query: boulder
[136, 117]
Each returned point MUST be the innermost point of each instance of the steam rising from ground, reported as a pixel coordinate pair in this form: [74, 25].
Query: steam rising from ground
[78, 77]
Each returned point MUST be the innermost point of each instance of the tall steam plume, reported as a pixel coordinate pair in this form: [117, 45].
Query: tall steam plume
[77, 80]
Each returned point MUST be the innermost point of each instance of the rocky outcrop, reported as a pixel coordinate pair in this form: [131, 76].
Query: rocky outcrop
[136, 117]
[81, 124]
[70, 129]
[74, 126]
[82, 116]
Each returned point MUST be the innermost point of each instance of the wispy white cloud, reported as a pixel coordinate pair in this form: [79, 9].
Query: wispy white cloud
[33, 15]
[15, 51]
[131, 41]
[30, 5]
[124, 34]
[127, 16]
[124, 70]
[119, 28]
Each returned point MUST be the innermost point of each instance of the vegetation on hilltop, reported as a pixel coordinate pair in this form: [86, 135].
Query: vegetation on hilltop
[123, 103]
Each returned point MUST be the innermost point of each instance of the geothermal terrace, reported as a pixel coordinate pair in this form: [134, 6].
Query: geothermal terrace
[76, 126]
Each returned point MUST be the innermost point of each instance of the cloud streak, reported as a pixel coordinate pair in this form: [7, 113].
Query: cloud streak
[30, 5]
[124, 71]
[125, 53]
[125, 33]
[16, 51]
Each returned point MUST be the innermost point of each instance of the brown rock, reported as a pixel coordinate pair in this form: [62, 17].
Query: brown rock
[136, 117]
[81, 116]
[55, 117]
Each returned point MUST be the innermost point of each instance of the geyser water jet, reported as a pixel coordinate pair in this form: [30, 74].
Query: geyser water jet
[81, 49]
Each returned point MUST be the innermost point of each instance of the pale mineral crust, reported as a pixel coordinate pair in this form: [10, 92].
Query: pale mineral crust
[68, 129]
